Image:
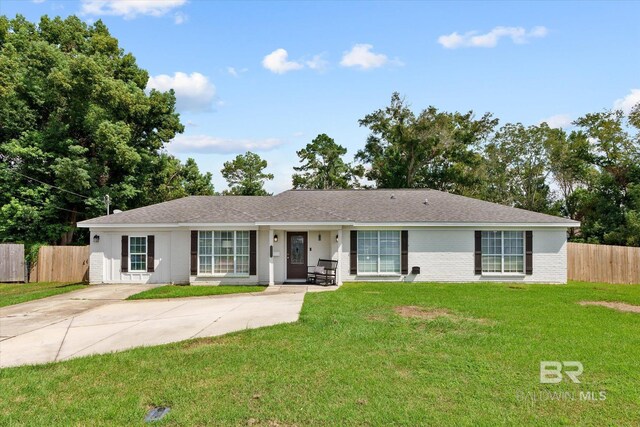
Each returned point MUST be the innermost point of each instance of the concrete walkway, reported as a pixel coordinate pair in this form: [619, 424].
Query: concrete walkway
[97, 320]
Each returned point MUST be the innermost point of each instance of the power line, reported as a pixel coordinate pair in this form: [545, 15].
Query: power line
[64, 209]
[50, 185]
[53, 206]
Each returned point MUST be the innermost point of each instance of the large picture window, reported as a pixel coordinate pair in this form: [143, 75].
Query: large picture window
[221, 252]
[503, 252]
[137, 254]
[379, 252]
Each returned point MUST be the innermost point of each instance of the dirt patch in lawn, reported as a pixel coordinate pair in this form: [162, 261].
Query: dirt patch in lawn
[415, 312]
[620, 306]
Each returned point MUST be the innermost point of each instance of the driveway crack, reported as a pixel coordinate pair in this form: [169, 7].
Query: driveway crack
[63, 338]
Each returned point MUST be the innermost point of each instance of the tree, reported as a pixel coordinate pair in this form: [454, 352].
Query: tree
[245, 175]
[517, 160]
[434, 149]
[77, 124]
[323, 167]
[609, 208]
[171, 180]
[570, 164]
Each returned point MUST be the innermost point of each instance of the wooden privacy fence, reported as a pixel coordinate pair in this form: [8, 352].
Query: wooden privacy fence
[602, 263]
[11, 262]
[61, 264]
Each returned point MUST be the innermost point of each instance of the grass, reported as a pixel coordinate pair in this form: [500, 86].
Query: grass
[354, 358]
[176, 291]
[15, 293]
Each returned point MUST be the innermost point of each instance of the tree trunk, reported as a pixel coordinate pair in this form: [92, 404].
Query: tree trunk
[67, 237]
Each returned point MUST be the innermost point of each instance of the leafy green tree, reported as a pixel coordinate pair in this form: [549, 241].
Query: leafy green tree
[571, 166]
[433, 149]
[171, 180]
[77, 124]
[517, 159]
[609, 208]
[245, 175]
[323, 167]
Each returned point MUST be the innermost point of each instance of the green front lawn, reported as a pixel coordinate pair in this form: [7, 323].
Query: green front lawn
[15, 293]
[174, 291]
[367, 354]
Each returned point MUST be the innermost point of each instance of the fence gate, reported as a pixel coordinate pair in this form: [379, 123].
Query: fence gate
[11, 262]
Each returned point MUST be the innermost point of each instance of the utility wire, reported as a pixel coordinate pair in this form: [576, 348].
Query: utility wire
[50, 185]
[55, 207]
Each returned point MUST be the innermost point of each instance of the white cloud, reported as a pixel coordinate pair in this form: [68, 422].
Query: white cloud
[37, 1]
[317, 63]
[180, 18]
[627, 103]
[518, 35]
[215, 145]
[559, 121]
[194, 92]
[129, 9]
[235, 72]
[362, 57]
[278, 62]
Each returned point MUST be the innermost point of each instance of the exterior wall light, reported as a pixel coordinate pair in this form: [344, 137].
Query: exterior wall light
[336, 238]
[96, 238]
[275, 237]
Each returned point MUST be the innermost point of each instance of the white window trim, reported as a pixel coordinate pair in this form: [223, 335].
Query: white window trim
[380, 273]
[235, 256]
[146, 256]
[502, 255]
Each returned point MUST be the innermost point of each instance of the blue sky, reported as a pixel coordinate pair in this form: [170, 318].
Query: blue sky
[270, 76]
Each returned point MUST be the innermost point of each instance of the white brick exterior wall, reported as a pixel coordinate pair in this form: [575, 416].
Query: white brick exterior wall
[447, 255]
[443, 255]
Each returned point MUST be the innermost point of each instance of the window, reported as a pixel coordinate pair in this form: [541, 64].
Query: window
[137, 254]
[502, 252]
[221, 252]
[379, 252]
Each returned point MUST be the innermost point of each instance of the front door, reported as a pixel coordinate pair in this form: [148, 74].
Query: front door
[296, 255]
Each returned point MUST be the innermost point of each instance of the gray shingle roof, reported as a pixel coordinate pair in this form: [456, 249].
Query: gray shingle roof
[341, 206]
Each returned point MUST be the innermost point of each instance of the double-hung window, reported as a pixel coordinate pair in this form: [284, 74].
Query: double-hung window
[222, 252]
[379, 252]
[503, 252]
[137, 254]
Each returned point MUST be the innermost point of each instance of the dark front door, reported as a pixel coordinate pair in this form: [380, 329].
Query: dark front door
[296, 255]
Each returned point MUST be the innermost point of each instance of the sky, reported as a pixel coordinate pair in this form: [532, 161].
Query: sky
[270, 76]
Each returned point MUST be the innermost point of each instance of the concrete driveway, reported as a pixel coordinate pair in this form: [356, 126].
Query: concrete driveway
[97, 320]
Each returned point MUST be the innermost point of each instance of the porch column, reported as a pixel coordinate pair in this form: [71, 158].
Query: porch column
[339, 272]
[270, 255]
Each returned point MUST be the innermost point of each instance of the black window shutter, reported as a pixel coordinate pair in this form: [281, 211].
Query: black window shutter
[404, 252]
[194, 252]
[528, 243]
[252, 253]
[151, 253]
[124, 258]
[478, 252]
[353, 253]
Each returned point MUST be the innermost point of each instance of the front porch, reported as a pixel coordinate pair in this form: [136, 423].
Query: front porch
[291, 250]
